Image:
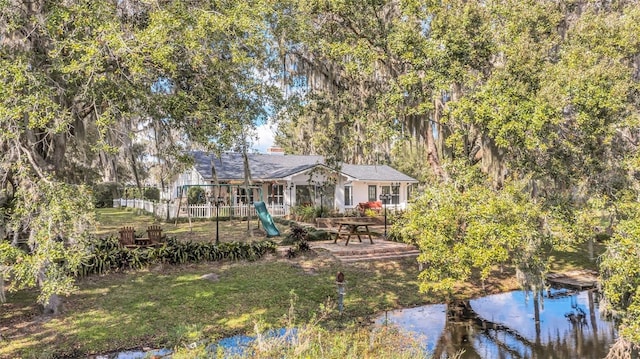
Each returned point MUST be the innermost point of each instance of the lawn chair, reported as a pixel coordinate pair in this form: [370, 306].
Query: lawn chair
[127, 236]
[154, 233]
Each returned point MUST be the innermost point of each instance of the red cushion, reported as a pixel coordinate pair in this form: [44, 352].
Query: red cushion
[371, 205]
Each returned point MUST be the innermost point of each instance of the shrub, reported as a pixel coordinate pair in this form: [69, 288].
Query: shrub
[311, 340]
[283, 221]
[305, 213]
[196, 195]
[318, 236]
[602, 236]
[320, 212]
[132, 192]
[106, 254]
[395, 233]
[370, 213]
[302, 246]
[152, 193]
[297, 237]
[104, 193]
[296, 234]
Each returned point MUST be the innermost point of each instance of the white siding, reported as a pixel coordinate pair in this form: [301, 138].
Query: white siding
[361, 193]
[359, 188]
[186, 178]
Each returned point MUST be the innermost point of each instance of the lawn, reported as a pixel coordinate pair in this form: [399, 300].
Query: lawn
[164, 306]
[110, 220]
[153, 307]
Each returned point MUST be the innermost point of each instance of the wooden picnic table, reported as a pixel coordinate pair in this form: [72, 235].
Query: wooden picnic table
[142, 241]
[352, 228]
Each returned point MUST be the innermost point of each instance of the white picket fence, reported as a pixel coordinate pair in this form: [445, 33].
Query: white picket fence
[208, 210]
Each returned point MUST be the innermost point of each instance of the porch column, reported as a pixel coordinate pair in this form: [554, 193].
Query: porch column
[338, 195]
[290, 195]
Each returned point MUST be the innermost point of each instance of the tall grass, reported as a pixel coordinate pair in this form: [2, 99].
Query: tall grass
[311, 340]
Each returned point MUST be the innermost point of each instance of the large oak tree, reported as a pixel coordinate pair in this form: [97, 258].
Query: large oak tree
[89, 87]
[539, 95]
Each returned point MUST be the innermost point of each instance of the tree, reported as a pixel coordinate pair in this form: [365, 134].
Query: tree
[334, 62]
[540, 93]
[466, 230]
[621, 272]
[82, 81]
[58, 91]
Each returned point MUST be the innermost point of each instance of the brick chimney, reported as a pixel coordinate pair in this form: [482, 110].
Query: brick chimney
[275, 150]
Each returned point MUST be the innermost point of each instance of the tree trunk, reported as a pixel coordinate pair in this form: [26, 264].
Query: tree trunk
[54, 303]
[432, 156]
[247, 181]
[108, 165]
[134, 169]
[492, 162]
[2, 296]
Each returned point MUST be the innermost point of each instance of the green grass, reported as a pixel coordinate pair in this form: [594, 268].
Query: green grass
[126, 310]
[576, 257]
[110, 220]
[164, 306]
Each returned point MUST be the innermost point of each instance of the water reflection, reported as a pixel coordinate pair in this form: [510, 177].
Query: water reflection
[504, 326]
[231, 347]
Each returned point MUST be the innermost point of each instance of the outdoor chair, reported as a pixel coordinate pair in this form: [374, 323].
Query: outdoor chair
[127, 236]
[154, 233]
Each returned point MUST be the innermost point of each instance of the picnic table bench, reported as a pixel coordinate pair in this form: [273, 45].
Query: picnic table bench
[350, 228]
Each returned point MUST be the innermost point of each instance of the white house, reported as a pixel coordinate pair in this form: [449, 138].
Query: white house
[288, 180]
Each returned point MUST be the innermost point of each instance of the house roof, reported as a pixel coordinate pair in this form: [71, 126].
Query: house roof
[376, 173]
[272, 167]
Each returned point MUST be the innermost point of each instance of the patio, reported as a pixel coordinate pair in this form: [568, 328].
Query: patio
[365, 251]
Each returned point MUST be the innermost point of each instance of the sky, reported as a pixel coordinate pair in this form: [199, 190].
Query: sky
[265, 138]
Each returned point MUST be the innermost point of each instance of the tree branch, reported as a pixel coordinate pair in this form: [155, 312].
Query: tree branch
[34, 165]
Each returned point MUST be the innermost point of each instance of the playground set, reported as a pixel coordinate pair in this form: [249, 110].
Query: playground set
[233, 196]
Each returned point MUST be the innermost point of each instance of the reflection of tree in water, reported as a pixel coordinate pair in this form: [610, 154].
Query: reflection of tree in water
[464, 328]
[623, 349]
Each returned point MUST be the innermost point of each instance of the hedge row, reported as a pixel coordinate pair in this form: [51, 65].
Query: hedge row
[106, 254]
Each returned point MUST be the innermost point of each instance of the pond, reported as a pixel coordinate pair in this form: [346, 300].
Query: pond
[496, 326]
[232, 346]
[504, 326]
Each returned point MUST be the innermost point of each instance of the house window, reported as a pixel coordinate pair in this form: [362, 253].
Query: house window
[373, 195]
[304, 195]
[385, 190]
[409, 191]
[395, 194]
[312, 195]
[276, 194]
[326, 194]
[241, 197]
[348, 195]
